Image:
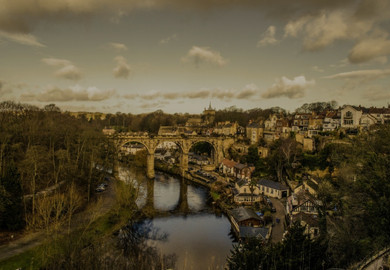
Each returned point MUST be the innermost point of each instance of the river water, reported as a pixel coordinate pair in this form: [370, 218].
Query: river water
[198, 236]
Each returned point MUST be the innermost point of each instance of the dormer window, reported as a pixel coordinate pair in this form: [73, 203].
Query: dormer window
[348, 114]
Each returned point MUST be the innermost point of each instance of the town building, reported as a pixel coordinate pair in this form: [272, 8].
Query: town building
[254, 132]
[273, 189]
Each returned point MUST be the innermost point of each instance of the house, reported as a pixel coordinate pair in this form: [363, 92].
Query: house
[302, 202]
[332, 121]
[309, 185]
[272, 189]
[310, 222]
[244, 217]
[350, 116]
[226, 128]
[316, 121]
[270, 123]
[301, 121]
[254, 132]
[227, 167]
[245, 193]
[243, 171]
[283, 126]
[261, 233]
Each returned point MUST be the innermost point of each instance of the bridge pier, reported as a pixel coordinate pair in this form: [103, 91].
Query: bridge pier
[150, 166]
[184, 163]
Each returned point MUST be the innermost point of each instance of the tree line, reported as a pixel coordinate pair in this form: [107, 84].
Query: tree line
[43, 151]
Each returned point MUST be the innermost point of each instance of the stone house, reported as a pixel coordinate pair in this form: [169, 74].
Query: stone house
[245, 193]
[254, 132]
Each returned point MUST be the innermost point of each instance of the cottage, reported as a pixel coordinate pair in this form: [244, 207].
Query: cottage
[244, 217]
[272, 189]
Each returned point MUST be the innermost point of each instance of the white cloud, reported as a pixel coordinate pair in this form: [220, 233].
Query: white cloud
[199, 55]
[118, 46]
[285, 87]
[122, 69]
[168, 39]
[67, 69]
[268, 37]
[21, 38]
[73, 93]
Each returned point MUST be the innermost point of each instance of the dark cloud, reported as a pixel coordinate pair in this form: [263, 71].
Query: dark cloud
[21, 16]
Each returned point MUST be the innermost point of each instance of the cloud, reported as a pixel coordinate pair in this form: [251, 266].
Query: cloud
[168, 39]
[317, 68]
[199, 55]
[249, 91]
[122, 69]
[285, 87]
[359, 22]
[377, 93]
[369, 49]
[361, 75]
[118, 46]
[21, 38]
[21, 16]
[67, 69]
[73, 93]
[268, 37]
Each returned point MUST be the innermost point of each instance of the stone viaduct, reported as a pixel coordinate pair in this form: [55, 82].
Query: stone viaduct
[220, 146]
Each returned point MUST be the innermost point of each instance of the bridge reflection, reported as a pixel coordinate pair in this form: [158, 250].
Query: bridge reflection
[181, 207]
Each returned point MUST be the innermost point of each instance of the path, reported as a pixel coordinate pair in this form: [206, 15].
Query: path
[278, 229]
[32, 240]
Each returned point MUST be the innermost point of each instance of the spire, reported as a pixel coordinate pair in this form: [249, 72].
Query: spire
[210, 106]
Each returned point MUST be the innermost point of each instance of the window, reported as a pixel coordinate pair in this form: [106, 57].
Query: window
[348, 114]
[348, 122]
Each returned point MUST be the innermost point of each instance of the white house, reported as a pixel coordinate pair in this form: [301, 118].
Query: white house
[350, 116]
[272, 189]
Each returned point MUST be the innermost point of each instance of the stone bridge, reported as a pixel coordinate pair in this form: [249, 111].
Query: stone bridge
[220, 147]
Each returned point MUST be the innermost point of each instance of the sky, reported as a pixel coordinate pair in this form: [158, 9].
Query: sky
[136, 56]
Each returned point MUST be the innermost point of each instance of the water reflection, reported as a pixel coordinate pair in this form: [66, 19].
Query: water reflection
[199, 237]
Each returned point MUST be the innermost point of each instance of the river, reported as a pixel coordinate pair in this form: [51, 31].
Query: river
[199, 236]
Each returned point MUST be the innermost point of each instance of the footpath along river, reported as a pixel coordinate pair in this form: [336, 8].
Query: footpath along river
[198, 235]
